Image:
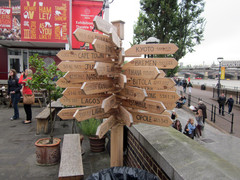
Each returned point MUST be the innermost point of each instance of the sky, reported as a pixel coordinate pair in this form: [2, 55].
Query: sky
[221, 35]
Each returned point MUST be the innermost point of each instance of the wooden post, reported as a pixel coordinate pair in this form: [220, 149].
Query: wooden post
[117, 146]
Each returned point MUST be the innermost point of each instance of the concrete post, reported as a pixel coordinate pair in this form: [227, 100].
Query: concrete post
[205, 75]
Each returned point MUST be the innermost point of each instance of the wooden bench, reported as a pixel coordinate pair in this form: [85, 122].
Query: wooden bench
[71, 166]
[42, 120]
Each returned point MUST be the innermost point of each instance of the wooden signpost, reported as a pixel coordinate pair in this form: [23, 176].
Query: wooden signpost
[134, 93]
[66, 66]
[140, 49]
[142, 72]
[156, 84]
[82, 55]
[125, 94]
[88, 36]
[161, 63]
[83, 76]
[94, 87]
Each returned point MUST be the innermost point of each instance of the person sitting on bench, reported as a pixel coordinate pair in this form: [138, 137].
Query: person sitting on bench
[181, 102]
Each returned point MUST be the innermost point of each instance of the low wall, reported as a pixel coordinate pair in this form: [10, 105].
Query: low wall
[170, 154]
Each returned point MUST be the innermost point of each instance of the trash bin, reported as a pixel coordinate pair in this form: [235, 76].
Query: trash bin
[203, 87]
[123, 173]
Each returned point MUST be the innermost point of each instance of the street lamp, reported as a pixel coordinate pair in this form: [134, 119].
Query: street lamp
[220, 59]
[151, 40]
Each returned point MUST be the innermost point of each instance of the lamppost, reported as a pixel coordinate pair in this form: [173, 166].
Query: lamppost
[220, 59]
[151, 40]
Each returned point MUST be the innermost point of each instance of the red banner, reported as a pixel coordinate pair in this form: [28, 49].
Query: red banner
[44, 20]
[83, 13]
[6, 18]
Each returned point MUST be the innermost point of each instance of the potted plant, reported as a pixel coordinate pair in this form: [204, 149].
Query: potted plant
[89, 128]
[48, 149]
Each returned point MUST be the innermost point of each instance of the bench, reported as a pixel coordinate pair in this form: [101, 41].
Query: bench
[71, 166]
[42, 120]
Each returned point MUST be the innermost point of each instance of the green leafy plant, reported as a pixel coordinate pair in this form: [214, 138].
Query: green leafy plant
[89, 126]
[44, 78]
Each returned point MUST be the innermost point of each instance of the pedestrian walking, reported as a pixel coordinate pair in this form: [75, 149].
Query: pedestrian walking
[14, 92]
[221, 102]
[230, 103]
[26, 90]
[184, 85]
[189, 87]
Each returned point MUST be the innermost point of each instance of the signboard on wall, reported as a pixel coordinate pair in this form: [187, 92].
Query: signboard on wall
[44, 21]
[6, 18]
[83, 13]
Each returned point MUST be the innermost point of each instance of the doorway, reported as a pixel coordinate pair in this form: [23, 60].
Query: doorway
[15, 62]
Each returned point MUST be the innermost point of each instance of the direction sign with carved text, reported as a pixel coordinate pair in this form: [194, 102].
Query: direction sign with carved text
[142, 72]
[76, 92]
[147, 105]
[164, 96]
[109, 103]
[66, 66]
[83, 101]
[151, 118]
[102, 25]
[88, 112]
[159, 83]
[82, 55]
[161, 63]
[140, 49]
[134, 93]
[88, 36]
[94, 87]
[103, 47]
[105, 126]
[67, 113]
[83, 76]
[105, 68]
[63, 83]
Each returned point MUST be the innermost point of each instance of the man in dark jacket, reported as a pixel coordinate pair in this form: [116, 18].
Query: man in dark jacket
[221, 102]
[203, 107]
[230, 103]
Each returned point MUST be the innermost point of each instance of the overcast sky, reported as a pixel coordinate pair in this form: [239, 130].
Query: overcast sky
[222, 31]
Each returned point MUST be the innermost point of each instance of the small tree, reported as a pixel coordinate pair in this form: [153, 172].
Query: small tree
[44, 78]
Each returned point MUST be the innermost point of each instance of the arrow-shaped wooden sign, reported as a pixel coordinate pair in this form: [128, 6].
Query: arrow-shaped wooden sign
[159, 83]
[161, 63]
[94, 87]
[66, 66]
[63, 83]
[84, 76]
[102, 25]
[147, 105]
[109, 103]
[75, 92]
[103, 47]
[88, 112]
[125, 116]
[140, 49]
[105, 68]
[114, 37]
[134, 93]
[83, 101]
[67, 113]
[151, 118]
[105, 126]
[122, 80]
[88, 36]
[145, 72]
[163, 96]
[82, 55]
